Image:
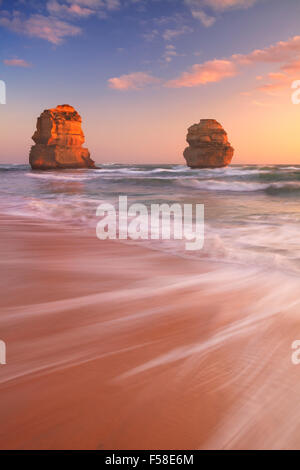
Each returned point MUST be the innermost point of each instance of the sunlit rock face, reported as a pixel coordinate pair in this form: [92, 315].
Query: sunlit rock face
[58, 141]
[208, 145]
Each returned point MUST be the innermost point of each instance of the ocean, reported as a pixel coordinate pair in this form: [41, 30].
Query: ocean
[252, 212]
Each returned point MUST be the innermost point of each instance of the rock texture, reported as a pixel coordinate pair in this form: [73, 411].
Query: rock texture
[208, 145]
[58, 141]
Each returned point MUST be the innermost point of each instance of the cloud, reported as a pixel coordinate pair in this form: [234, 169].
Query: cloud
[75, 9]
[282, 79]
[205, 19]
[208, 72]
[292, 67]
[260, 104]
[222, 5]
[81, 8]
[16, 63]
[113, 4]
[286, 53]
[132, 81]
[168, 27]
[205, 10]
[151, 35]
[51, 29]
[279, 52]
[170, 52]
[96, 4]
[170, 34]
[273, 88]
[87, 3]
[53, 26]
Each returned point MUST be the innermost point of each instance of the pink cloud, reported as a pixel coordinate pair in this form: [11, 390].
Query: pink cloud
[170, 53]
[56, 26]
[226, 4]
[208, 72]
[285, 52]
[199, 8]
[170, 34]
[81, 8]
[260, 104]
[292, 67]
[280, 80]
[278, 52]
[205, 19]
[49, 28]
[273, 88]
[132, 81]
[16, 63]
[87, 3]
[75, 9]
[287, 72]
[113, 4]
[97, 4]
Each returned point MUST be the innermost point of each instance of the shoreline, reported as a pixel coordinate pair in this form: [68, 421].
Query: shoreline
[112, 345]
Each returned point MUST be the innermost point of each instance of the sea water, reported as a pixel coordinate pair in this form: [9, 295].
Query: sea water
[252, 212]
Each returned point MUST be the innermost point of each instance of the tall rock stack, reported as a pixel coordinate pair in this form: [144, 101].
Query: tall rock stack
[208, 145]
[58, 141]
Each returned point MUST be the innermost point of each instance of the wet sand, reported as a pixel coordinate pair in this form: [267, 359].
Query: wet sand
[115, 346]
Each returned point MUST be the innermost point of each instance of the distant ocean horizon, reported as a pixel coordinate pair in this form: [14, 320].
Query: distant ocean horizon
[252, 212]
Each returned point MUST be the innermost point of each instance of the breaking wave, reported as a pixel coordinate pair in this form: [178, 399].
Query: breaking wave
[252, 212]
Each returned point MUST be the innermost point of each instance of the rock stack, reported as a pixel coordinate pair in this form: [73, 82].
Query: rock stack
[58, 141]
[208, 145]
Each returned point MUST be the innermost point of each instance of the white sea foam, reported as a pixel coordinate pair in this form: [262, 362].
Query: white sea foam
[252, 214]
[60, 177]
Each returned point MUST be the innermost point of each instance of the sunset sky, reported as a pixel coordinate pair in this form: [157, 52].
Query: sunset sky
[141, 71]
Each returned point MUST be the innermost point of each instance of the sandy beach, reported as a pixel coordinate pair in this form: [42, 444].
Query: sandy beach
[115, 346]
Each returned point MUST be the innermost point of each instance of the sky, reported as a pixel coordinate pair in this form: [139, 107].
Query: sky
[140, 72]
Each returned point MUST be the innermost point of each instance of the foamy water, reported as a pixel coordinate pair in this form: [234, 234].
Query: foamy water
[252, 213]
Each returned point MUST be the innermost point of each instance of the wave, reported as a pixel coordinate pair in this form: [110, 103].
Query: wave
[242, 186]
[258, 228]
[13, 167]
[64, 177]
[235, 179]
[232, 175]
[73, 210]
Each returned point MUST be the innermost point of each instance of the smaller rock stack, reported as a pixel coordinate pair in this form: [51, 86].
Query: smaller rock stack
[208, 145]
[59, 140]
